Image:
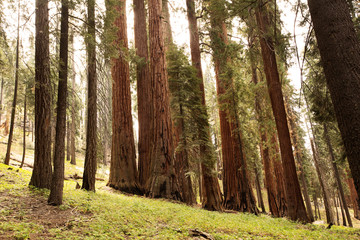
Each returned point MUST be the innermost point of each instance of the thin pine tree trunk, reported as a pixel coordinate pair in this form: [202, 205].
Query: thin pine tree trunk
[24, 134]
[73, 117]
[342, 210]
[1, 97]
[13, 107]
[336, 173]
[68, 141]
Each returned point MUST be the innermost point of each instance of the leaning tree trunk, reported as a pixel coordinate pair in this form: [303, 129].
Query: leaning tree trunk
[144, 96]
[211, 190]
[91, 129]
[299, 157]
[41, 175]
[339, 47]
[337, 175]
[57, 182]
[354, 197]
[123, 172]
[295, 204]
[162, 182]
[13, 107]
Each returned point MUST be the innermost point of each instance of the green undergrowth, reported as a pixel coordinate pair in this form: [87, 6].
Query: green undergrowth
[108, 214]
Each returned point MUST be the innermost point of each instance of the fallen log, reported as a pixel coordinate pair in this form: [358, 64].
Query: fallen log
[19, 161]
[198, 233]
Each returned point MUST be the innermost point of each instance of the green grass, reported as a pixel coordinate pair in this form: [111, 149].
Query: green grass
[108, 214]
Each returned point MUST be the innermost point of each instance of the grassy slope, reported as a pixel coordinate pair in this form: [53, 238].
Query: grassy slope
[110, 215]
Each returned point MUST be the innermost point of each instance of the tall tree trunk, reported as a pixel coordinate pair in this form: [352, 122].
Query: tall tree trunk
[342, 210]
[168, 39]
[144, 94]
[123, 172]
[279, 174]
[295, 204]
[208, 177]
[238, 193]
[264, 146]
[326, 196]
[354, 197]
[73, 117]
[1, 97]
[91, 128]
[299, 157]
[336, 173]
[57, 182]
[24, 133]
[181, 157]
[13, 107]
[41, 175]
[68, 140]
[162, 182]
[316, 206]
[336, 210]
[258, 191]
[339, 47]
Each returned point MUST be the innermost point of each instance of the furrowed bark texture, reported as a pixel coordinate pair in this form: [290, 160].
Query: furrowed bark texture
[295, 205]
[91, 129]
[213, 198]
[41, 175]
[144, 96]
[162, 182]
[123, 173]
[238, 193]
[57, 182]
[339, 48]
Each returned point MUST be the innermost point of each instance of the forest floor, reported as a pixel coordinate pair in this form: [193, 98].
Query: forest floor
[109, 214]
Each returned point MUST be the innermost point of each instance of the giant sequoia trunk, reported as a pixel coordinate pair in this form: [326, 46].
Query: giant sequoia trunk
[299, 157]
[162, 182]
[41, 175]
[91, 128]
[264, 145]
[57, 182]
[212, 199]
[123, 173]
[340, 54]
[181, 156]
[238, 193]
[144, 96]
[295, 205]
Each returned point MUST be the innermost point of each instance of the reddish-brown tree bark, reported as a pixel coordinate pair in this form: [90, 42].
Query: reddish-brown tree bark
[91, 128]
[162, 182]
[181, 156]
[123, 173]
[41, 175]
[57, 182]
[238, 193]
[354, 197]
[295, 204]
[339, 47]
[144, 96]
